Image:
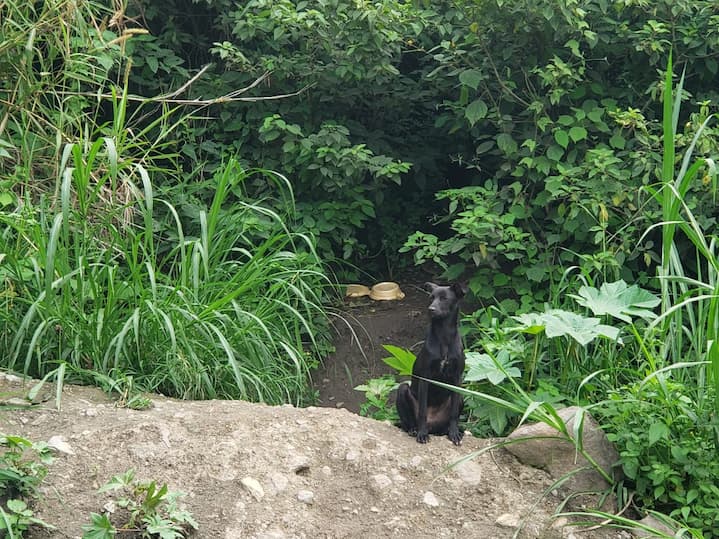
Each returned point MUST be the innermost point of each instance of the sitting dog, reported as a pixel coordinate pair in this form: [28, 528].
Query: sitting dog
[425, 408]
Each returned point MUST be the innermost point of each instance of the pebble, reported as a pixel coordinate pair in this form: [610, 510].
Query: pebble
[507, 520]
[58, 443]
[430, 499]
[253, 486]
[279, 481]
[306, 496]
[379, 482]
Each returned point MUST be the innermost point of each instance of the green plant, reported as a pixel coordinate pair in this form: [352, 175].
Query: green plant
[144, 509]
[223, 313]
[665, 440]
[16, 517]
[400, 359]
[377, 392]
[23, 466]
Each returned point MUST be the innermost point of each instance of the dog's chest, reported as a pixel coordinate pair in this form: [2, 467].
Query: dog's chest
[444, 368]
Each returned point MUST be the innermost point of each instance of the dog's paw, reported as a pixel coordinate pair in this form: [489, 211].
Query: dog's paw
[422, 437]
[455, 436]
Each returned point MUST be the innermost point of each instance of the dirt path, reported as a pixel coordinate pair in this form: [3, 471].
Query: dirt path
[361, 328]
[364, 478]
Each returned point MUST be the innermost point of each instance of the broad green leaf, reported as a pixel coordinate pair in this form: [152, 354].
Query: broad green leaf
[619, 300]
[402, 360]
[577, 133]
[475, 111]
[506, 143]
[484, 367]
[617, 141]
[471, 78]
[562, 138]
[657, 431]
[560, 323]
[554, 152]
[531, 323]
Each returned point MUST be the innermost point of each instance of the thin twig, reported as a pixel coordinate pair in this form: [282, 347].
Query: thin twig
[227, 98]
[186, 85]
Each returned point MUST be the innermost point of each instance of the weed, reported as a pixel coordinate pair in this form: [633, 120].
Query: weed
[143, 508]
[23, 465]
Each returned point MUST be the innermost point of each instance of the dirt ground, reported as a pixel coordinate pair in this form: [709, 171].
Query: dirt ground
[261, 472]
[361, 327]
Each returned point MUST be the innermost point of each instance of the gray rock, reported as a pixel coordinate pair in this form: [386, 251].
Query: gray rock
[559, 457]
[469, 472]
[59, 444]
[279, 481]
[379, 482]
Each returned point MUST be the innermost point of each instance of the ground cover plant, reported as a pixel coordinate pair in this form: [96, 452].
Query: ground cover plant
[23, 466]
[144, 509]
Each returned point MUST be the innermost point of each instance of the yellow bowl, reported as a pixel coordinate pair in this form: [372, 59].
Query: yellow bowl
[386, 291]
[356, 291]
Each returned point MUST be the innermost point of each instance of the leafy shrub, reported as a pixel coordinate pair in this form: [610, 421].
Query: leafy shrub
[665, 438]
[23, 466]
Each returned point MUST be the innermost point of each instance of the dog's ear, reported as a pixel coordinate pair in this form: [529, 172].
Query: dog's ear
[459, 289]
[429, 287]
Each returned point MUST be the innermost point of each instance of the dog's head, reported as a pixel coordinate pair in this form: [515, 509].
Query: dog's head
[444, 299]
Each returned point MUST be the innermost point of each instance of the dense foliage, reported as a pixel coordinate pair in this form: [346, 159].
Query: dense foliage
[539, 150]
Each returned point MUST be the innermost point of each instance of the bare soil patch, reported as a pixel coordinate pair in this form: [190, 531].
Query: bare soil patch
[367, 478]
[361, 329]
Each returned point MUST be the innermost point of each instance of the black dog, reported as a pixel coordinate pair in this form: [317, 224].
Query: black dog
[426, 408]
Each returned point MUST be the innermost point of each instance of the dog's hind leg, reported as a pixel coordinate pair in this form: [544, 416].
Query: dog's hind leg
[407, 409]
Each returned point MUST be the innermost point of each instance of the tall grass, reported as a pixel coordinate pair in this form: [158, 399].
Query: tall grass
[690, 295]
[105, 280]
[219, 315]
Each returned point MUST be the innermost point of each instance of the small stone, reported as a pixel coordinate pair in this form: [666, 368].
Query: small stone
[560, 522]
[352, 455]
[91, 412]
[253, 486]
[326, 470]
[279, 481]
[339, 404]
[373, 509]
[299, 464]
[379, 482]
[58, 443]
[470, 472]
[507, 520]
[430, 499]
[306, 496]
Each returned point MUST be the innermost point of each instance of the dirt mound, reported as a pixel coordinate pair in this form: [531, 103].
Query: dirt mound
[322, 472]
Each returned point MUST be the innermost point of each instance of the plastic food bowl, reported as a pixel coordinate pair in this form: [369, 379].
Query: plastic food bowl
[386, 291]
[356, 291]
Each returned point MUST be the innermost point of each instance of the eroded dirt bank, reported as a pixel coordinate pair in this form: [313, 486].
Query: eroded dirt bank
[323, 473]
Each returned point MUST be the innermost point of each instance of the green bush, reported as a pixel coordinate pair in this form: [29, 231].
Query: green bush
[665, 438]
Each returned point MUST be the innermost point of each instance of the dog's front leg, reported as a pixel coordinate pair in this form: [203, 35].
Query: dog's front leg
[422, 430]
[454, 434]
